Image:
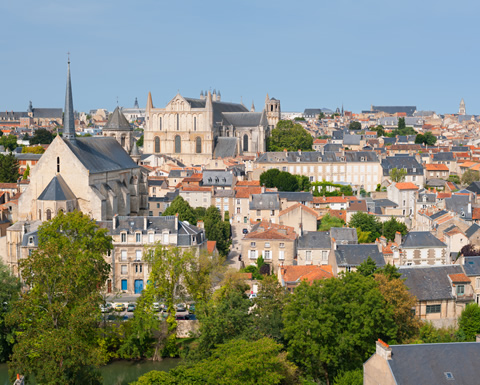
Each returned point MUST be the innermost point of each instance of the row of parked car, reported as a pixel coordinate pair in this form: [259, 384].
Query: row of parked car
[183, 311]
[108, 307]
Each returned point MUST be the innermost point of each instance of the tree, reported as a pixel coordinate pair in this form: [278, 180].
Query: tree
[368, 223]
[268, 178]
[140, 141]
[303, 183]
[181, 207]
[380, 130]
[391, 227]
[352, 377]
[57, 318]
[330, 324]
[41, 136]
[469, 321]
[401, 124]
[9, 142]
[428, 139]
[398, 174]
[355, 126]
[9, 294]
[26, 173]
[282, 180]
[328, 221]
[290, 136]
[469, 251]
[33, 150]
[470, 176]
[321, 115]
[8, 168]
[217, 230]
[367, 268]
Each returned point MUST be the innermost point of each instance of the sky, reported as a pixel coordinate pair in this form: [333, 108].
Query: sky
[308, 54]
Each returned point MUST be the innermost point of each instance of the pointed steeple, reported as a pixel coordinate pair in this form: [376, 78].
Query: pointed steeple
[252, 109]
[68, 117]
[149, 101]
[135, 105]
[267, 99]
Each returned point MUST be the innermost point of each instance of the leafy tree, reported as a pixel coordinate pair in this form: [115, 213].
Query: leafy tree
[9, 293]
[389, 271]
[41, 136]
[57, 318]
[299, 119]
[367, 268]
[363, 236]
[321, 115]
[368, 223]
[8, 168]
[303, 183]
[140, 141]
[380, 130]
[330, 324]
[469, 321]
[181, 207]
[469, 251]
[290, 136]
[33, 150]
[200, 213]
[428, 334]
[470, 176]
[401, 124]
[398, 174]
[320, 189]
[355, 126]
[329, 221]
[352, 377]
[26, 173]
[9, 142]
[454, 179]
[268, 178]
[282, 180]
[428, 139]
[217, 230]
[391, 227]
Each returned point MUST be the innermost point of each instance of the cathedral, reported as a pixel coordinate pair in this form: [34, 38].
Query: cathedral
[94, 175]
[197, 130]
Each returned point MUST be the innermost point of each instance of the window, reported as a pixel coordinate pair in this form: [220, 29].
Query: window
[138, 255]
[238, 201]
[165, 238]
[272, 212]
[281, 255]
[259, 213]
[49, 214]
[478, 283]
[178, 122]
[308, 255]
[282, 244]
[124, 269]
[123, 237]
[151, 237]
[267, 254]
[225, 208]
[157, 144]
[158, 205]
[138, 237]
[460, 290]
[198, 145]
[253, 244]
[433, 309]
[238, 210]
[58, 164]
[178, 144]
[138, 268]
[245, 142]
[124, 255]
[324, 255]
[160, 123]
[252, 254]
[194, 123]
[267, 244]
[124, 284]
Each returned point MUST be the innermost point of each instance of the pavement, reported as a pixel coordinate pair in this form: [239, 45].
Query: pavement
[235, 250]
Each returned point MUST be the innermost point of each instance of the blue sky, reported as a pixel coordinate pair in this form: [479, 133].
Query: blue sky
[305, 53]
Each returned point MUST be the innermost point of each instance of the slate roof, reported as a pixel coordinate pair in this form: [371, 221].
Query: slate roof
[225, 148]
[351, 139]
[354, 255]
[217, 178]
[474, 187]
[314, 240]
[344, 235]
[428, 363]
[443, 157]
[47, 113]
[57, 190]
[439, 214]
[264, 202]
[409, 110]
[418, 239]
[384, 203]
[245, 119]
[472, 230]
[333, 147]
[100, 155]
[407, 162]
[294, 196]
[429, 283]
[218, 108]
[117, 122]
[472, 266]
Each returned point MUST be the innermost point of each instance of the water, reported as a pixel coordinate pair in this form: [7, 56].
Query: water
[118, 372]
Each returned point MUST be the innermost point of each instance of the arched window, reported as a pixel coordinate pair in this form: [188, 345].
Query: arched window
[194, 123]
[178, 144]
[157, 144]
[160, 123]
[49, 214]
[123, 141]
[178, 122]
[245, 142]
[39, 215]
[58, 164]
[198, 145]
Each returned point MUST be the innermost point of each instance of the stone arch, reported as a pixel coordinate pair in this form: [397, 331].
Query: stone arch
[198, 145]
[122, 141]
[178, 144]
[160, 123]
[48, 214]
[157, 145]
[245, 142]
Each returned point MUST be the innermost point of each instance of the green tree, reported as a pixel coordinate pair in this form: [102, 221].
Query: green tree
[391, 227]
[290, 136]
[217, 230]
[380, 130]
[428, 139]
[329, 221]
[282, 180]
[367, 268]
[41, 136]
[352, 377]
[321, 115]
[57, 318]
[140, 141]
[268, 178]
[26, 173]
[8, 168]
[355, 126]
[470, 176]
[368, 223]
[330, 324]
[401, 124]
[9, 142]
[9, 294]
[303, 183]
[181, 207]
[33, 150]
[398, 174]
[469, 321]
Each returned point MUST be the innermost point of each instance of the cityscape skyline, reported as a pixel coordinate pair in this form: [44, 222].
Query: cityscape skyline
[326, 55]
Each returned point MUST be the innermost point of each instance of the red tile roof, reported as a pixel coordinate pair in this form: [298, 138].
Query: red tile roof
[406, 186]
[211, 245]
[436, 167]
[308, 273]
[460, 278]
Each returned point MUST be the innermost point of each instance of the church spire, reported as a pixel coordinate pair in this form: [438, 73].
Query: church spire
[252, 109]
[149, 101]
[68, 117]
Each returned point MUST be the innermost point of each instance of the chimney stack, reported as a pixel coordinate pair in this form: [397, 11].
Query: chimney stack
[383, 350]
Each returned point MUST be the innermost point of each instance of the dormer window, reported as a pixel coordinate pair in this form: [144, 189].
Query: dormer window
[30, 240]
[123, 237]
[463, 214]
[362, 159]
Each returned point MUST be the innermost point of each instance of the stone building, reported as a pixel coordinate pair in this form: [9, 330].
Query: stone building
[196, 130]
[118, 127]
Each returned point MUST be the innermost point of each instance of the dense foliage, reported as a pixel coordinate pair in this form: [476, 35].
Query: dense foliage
[289, 136]
[181, 207]
[41, 136]
[328, 221]
[398, 174]
[8, 168]
[9, 293]
[428, 139]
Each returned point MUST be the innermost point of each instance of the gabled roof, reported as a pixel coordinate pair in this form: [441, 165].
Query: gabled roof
[57, 190]
[117, 122]
[314, 240]
[472, 266]
[344, 235]
[419, 239]
[354, 255]
[245, 119]
[293, 274]
[406, 186]
[472, 230]
[225, 148]
[301, 207]
[264, 202]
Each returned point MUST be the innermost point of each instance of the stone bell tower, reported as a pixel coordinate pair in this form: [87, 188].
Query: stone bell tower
[272, 108]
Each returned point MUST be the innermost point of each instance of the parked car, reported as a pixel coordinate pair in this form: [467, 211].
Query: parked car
[131, 307]
[119, 307]
[182, 317]
[156, 307]
[191, 308]
[252, 296]
[180, 307]
[106, 308]
[245, 231]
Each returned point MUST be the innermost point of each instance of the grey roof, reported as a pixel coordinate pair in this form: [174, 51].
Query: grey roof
[409, 110]
[438, 215]
[361, 156]
[264, 202]
[13, 115]
[435, 182]
[117, 122]
[471, 266]
[407, 162]
[47, 113]
[333, 147]
[385, 203]
[474, 187]
[314, 240]
[354, 255]
[28, 156]
[417, 239]
[101, 154]
[69, 117]
[428, 363]
[57, 190]
[430, 283]
[344, 235]
[427, 197]
[443, 156]
[472, 230]
[459, 204]
[312, 111]
[225, 147]
[245, 119]
[337, 134]
[387, 140]
[351, 139]
[218, 108]
[178, 173]
[217, 178]
[31, 236]
[295, 196]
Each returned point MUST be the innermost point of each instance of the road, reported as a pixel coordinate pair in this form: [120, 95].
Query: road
[235, 250]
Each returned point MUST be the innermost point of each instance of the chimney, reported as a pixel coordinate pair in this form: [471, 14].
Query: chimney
[477, 338]
[384, 350]
[145, 223]
[398, 238]
[176, 221]
[200, 225]
[263, 189]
